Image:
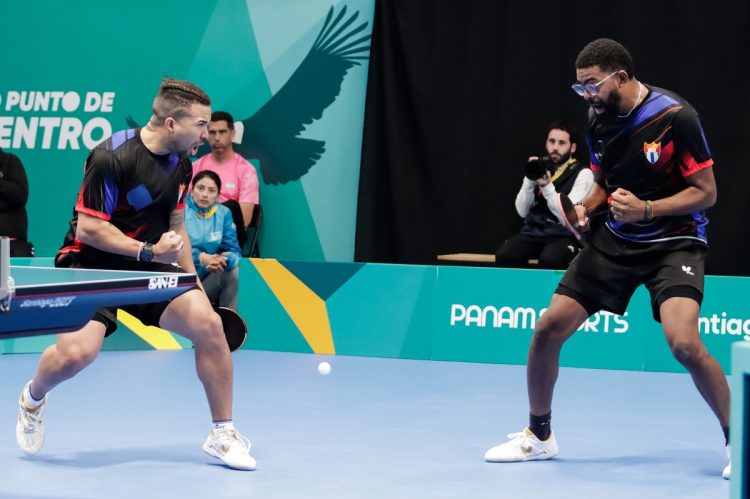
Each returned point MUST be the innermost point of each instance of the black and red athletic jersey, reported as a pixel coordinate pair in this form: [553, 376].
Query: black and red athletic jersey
[133, 189]
[649, 153]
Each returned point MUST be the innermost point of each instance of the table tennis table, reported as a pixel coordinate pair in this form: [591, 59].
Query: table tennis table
[43, 300]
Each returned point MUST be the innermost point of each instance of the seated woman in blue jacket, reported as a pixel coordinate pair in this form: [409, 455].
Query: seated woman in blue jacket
[213, 235]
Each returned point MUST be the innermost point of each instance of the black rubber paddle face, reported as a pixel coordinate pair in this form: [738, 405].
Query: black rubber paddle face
[235, 328]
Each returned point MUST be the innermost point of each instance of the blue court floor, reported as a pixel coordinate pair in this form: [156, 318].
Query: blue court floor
[132, 425]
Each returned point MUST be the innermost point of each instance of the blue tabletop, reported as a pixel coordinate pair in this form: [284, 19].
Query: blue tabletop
[45, 276]
[50, 300]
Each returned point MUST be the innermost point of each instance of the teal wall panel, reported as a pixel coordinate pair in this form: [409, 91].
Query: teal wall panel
[242, 52]
[396, 323]
[269, 326]
[449, 313]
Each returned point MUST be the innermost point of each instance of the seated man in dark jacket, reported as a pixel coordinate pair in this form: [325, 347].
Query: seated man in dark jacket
[543, 236]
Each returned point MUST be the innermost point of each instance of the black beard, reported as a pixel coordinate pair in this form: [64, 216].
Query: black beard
[563, 159]
[612, 104]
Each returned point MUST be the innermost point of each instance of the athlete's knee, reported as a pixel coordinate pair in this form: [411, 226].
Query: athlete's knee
[549, 329]
[76, 356]
[208, 328]
[688, 353]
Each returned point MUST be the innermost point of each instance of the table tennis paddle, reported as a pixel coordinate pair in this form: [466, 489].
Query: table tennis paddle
[569, 214]
[235, 328]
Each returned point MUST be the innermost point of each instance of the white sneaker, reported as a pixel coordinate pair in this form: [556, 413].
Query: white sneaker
[229, 446]
[30, 426]
[523, 446]
[728, 470]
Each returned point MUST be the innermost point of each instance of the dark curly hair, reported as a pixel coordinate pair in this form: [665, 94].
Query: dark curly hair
[608, 54]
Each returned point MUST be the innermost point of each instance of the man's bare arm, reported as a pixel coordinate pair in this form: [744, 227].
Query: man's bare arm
[247, 212]
[102, 235]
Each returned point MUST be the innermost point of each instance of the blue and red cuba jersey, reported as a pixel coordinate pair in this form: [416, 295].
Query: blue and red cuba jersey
[650, 153]
[133, 189]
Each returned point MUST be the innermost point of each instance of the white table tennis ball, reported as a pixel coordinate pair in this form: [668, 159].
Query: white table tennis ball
[324, 368]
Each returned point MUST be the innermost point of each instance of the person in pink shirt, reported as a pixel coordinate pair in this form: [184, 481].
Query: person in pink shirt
[239, 179]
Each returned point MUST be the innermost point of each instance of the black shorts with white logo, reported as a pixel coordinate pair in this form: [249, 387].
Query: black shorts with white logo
[148, 313]
[606, 273]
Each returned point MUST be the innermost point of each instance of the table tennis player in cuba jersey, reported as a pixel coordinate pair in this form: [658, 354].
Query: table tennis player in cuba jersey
[129, 215]
[653, 180]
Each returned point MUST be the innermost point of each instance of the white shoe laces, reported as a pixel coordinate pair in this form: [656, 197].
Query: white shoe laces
[32, 418]
[523, 440]
[231, 437]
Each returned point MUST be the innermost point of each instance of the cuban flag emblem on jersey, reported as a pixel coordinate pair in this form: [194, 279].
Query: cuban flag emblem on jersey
[652, 151]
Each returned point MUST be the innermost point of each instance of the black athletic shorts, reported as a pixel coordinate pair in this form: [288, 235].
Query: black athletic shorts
[148, 313]
[607, 271]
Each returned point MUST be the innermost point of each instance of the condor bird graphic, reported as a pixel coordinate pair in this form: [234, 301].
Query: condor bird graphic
[271, 135]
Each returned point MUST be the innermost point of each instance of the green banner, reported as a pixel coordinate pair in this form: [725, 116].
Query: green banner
[443, 313]
[488, 315]
[293, 74]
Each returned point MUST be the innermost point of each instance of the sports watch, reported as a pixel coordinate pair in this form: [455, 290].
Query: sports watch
[147, 253]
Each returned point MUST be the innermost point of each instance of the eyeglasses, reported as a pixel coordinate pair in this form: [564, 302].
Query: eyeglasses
[591, 88]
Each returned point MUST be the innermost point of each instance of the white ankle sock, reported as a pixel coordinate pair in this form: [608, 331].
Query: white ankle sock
[29, 399]
[226, 424]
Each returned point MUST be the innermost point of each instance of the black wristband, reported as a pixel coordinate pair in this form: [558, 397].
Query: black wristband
[147, 253]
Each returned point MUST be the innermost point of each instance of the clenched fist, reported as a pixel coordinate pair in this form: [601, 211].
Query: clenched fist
[169, 248]
[626, 207]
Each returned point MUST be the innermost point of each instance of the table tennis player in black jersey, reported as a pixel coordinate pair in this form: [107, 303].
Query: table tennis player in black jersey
[653, 180]
[129, 215]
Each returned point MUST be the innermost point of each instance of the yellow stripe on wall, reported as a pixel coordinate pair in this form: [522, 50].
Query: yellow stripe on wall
[157, 337]
[306, 309]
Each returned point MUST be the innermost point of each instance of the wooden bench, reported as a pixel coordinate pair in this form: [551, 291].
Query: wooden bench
[478, 259]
